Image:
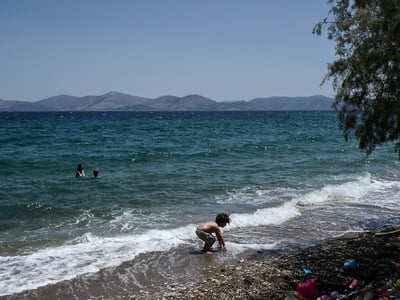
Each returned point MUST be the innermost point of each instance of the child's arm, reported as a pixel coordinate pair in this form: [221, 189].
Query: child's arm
[220, 239]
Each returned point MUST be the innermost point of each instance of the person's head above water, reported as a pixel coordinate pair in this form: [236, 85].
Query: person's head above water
[80, 172]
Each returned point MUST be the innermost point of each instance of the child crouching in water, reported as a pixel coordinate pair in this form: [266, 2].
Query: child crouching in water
[205, 231]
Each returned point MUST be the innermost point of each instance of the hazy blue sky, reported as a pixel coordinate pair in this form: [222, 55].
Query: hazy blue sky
[221, 49]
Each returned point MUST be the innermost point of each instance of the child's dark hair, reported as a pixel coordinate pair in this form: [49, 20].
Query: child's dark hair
[222, 218]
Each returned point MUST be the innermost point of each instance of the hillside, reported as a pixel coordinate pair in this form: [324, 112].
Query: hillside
[116, 101]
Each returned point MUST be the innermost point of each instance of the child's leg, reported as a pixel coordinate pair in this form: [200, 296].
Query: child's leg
[208, 238]
[207, 246]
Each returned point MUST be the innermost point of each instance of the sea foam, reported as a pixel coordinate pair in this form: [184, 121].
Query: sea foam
[87, 254]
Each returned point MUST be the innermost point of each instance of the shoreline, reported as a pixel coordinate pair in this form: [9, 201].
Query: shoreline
[268, 274]
[276, 275]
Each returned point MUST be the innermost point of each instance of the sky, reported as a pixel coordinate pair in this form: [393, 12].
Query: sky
[221, 49]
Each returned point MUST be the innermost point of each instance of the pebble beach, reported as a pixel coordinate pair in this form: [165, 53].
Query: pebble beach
[276, 275]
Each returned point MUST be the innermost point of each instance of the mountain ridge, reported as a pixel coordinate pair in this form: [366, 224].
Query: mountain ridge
[117, 101]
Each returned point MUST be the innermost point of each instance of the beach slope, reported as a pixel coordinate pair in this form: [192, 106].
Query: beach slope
[275, 276]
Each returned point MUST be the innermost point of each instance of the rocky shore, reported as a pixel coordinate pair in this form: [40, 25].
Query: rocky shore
[276, 275]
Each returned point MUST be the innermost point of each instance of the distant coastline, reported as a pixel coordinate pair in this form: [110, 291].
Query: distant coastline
[116, 101]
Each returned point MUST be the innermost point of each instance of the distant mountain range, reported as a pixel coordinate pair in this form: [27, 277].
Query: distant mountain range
[116, 101]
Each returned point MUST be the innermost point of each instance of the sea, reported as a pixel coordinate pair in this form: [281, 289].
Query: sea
[287, 180]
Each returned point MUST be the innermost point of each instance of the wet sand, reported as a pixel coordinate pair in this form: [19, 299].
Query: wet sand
[276, 275]
[145, 275]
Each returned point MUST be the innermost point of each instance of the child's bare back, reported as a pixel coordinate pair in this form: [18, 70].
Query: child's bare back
[209, 227]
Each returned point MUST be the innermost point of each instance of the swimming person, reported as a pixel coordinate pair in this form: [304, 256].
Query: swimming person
[96, 172]
[80, 172]
[205, 231]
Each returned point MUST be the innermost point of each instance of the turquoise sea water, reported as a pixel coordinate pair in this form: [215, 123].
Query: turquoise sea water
[286, 178]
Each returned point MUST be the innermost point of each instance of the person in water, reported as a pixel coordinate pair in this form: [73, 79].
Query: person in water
[205, 231]
[96, 172]
[80, 172]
